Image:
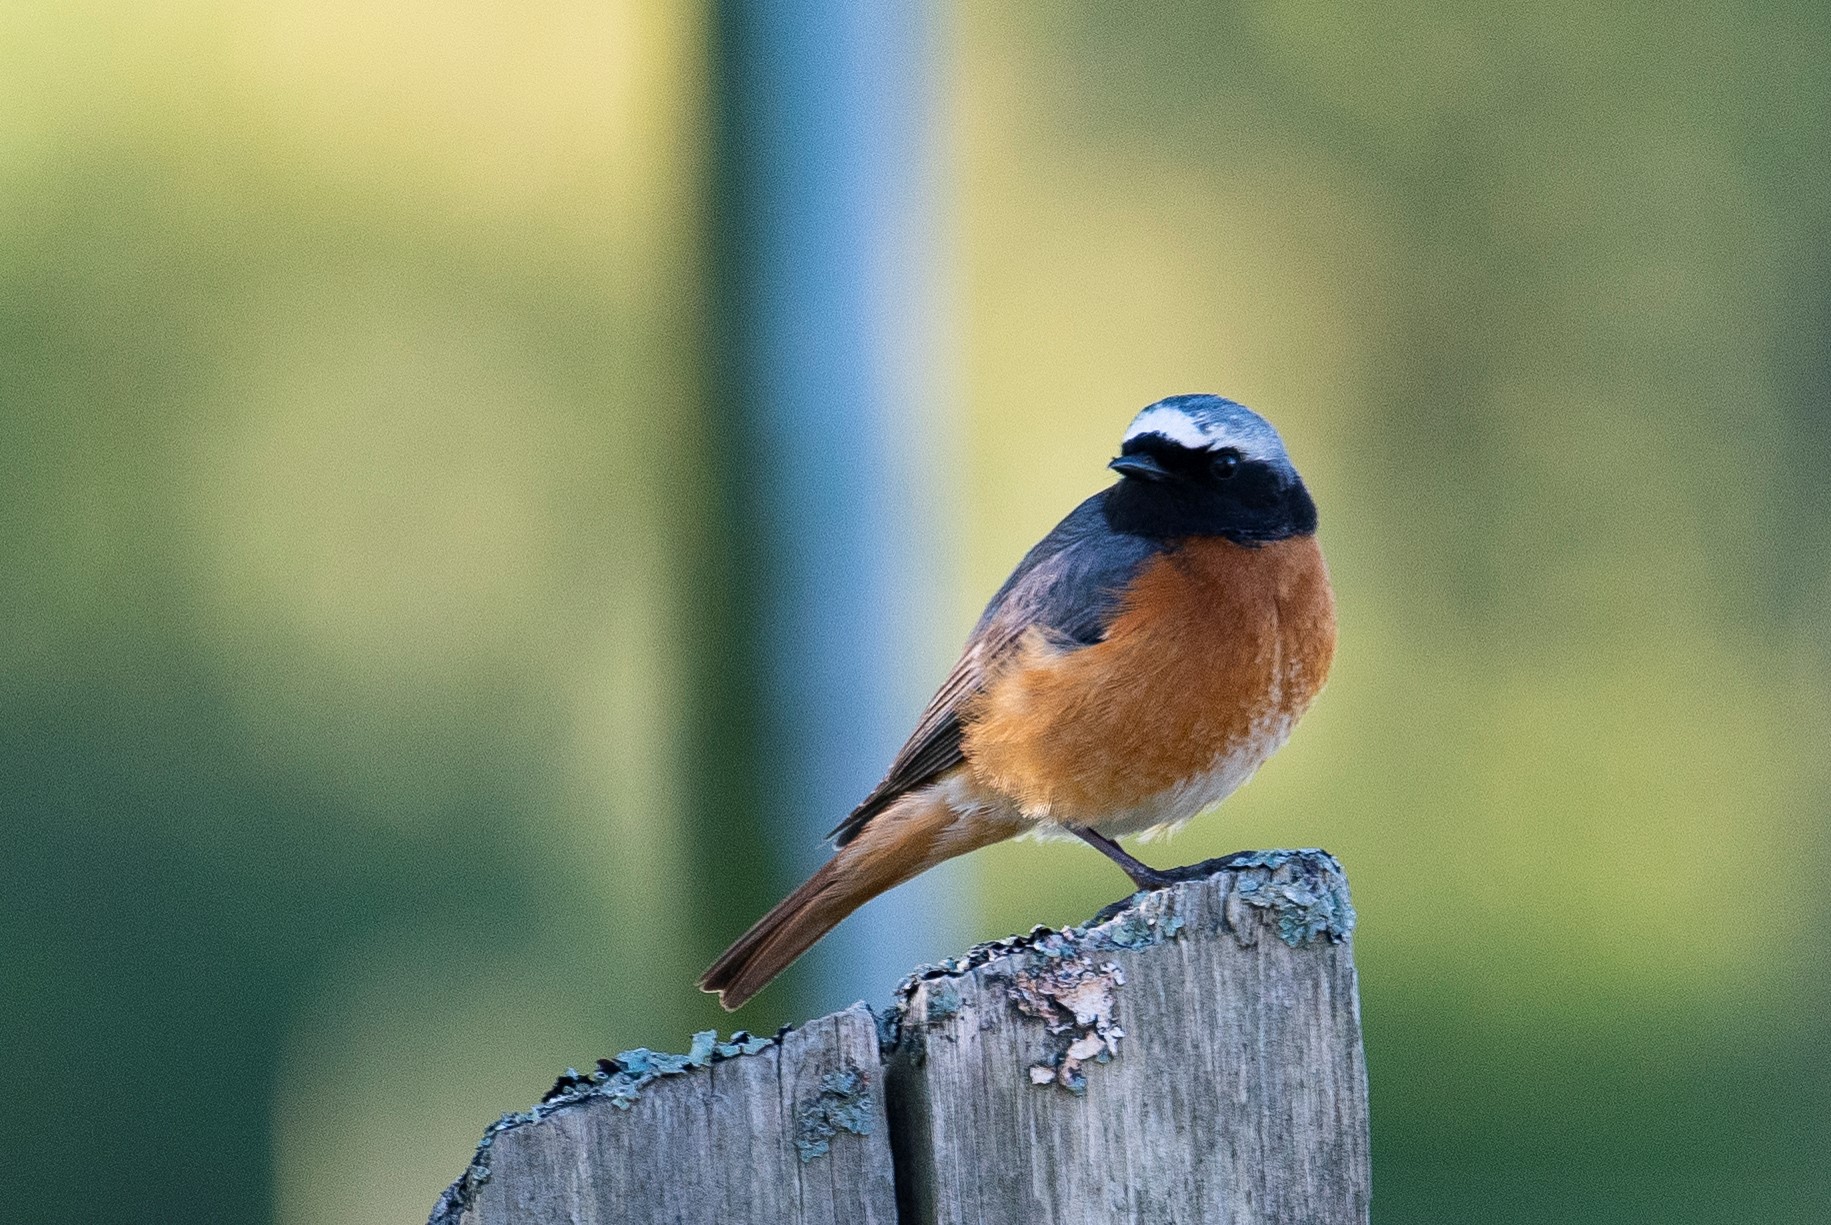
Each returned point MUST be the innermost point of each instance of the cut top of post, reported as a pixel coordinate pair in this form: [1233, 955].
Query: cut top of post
[1191, 1053]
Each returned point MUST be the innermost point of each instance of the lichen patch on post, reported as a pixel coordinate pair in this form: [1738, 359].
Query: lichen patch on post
[943, 1001]
[1052, 977]
[1139, 925]
[1077, 1002]
[1138, 922]
[622, 1079]
[843, 1103]
[1304, 893]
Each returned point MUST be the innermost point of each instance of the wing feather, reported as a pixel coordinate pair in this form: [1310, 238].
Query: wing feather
[1070, 586]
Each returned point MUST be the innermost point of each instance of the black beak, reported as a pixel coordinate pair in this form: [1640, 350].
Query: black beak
[1141, 466]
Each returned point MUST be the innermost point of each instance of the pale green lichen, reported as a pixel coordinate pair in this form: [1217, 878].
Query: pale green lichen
[1077, 1001]
[1306, 892]
[1145, 920]
[943, 1001]
[842, 1103]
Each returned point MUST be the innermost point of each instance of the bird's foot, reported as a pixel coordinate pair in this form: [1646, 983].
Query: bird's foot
[1143, 874]
[1148, 878]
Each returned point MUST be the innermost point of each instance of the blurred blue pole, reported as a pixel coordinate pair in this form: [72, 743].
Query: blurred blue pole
[834, 126]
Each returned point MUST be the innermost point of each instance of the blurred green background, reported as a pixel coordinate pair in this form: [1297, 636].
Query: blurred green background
[361, 468]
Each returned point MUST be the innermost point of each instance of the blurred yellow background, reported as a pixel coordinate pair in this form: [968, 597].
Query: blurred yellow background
[354, 431]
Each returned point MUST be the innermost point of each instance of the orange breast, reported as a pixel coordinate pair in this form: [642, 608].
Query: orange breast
[1215, 642]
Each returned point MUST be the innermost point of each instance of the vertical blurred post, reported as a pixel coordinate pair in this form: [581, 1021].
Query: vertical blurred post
[830, 254]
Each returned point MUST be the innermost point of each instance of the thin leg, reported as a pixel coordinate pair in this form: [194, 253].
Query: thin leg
[1142, 874]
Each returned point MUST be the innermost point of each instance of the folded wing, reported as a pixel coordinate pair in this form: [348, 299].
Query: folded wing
[1069, 587]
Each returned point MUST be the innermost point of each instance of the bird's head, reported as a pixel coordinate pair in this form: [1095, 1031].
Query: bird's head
[1202, 465]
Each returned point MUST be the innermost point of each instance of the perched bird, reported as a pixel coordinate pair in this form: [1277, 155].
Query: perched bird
[1139, 665]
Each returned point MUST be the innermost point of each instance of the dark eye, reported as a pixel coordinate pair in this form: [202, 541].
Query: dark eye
[1226, 463]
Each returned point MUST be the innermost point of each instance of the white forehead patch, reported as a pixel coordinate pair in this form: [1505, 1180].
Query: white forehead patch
[1172, 423]
[1210, 423]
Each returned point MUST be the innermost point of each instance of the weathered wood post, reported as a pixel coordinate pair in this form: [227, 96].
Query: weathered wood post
[1191, 1055]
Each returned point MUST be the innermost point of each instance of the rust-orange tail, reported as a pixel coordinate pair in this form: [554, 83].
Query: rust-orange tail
[905, 840]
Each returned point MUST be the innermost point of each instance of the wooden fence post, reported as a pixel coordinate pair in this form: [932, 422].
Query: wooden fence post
[1191, 1055]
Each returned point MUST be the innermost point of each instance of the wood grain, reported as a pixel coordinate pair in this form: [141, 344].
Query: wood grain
[771, 1136]
[1219, 1076]
[1193, 1055]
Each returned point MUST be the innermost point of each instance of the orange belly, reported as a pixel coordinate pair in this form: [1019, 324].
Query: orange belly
[1218, 651]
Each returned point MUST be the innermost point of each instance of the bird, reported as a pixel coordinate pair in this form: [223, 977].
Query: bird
[1142, 661]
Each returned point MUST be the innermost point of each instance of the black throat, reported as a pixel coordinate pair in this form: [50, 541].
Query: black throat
[1254, 506]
